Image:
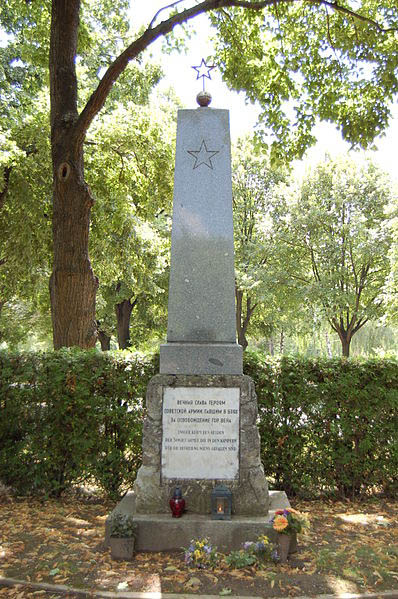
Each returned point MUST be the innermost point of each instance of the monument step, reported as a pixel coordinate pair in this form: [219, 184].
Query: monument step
[162, 532]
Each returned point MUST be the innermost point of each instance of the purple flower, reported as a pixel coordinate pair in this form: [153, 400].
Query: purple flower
[275, 555]
[247, 545]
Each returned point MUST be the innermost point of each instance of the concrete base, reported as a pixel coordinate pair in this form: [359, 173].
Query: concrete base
[201, 358]
[162, 532]
[252, 503]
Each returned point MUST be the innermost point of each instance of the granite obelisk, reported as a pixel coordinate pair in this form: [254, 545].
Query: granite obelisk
[201, 334]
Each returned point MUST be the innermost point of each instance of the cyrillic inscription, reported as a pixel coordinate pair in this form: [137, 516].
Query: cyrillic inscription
[200, 432]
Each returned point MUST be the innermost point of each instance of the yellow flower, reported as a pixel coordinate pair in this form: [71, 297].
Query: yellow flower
[197, 553]
[280, 523]
[263, 539]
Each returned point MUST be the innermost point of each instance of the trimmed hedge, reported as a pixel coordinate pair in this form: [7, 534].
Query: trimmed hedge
[71, 415]
[326, 426]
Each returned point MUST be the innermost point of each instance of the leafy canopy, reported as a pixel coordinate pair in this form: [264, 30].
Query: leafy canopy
[340, 222]
[306, 59]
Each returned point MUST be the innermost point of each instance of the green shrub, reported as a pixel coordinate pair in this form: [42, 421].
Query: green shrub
[240, 559]
[70, 415]
[328, 426]
[253, 552]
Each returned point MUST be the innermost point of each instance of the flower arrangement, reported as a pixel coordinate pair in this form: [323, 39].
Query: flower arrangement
[253, 552]
[289, 521]
[200, 554]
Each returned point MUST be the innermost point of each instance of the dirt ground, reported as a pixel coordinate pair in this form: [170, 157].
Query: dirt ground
[349, 548]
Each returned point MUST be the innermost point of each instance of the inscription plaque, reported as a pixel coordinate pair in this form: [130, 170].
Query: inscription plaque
[200, 432]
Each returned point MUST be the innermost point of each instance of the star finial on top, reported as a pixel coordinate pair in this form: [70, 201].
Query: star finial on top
[203, 70]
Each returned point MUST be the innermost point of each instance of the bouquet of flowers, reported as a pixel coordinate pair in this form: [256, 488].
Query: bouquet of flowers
[289, 521]
[200, 554]
[253, 552]
[261, 547]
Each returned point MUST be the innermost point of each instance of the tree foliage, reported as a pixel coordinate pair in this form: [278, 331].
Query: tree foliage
[130, 173]
[341, 225]
[298, 58]
[266, 298]
[303, 60]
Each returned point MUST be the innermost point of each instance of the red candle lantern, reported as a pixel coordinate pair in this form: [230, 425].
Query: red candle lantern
[177, 503]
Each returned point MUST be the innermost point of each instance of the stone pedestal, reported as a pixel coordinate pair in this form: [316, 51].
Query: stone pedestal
[201, 358]
[248, 484]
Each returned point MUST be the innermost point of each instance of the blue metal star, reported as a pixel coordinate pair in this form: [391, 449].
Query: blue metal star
[203, 70]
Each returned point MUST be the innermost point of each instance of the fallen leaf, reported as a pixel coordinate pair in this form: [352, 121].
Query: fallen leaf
[193, 582]
[54, 571]
[211, 576]
[122, 586]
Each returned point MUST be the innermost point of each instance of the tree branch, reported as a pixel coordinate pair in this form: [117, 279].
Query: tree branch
[354, 270]
[249, 312]
[359, 325]
[121, 156]
[314, 266]
[351, 13]
[97, 99]
[172, 5]
[6, 178]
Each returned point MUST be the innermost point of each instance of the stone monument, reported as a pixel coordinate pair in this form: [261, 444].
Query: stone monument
[200, 430]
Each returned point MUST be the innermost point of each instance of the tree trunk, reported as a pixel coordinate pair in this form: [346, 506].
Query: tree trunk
[345, 345]
[240, 328]
[104, 339]
[346, 333]
[282, 342]
[6, 180]
[2, 303]
[345, 340]
[73, 285]
[328, 345]
[242, 340]
[243, 320]
[123, 313]
[271, 346]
